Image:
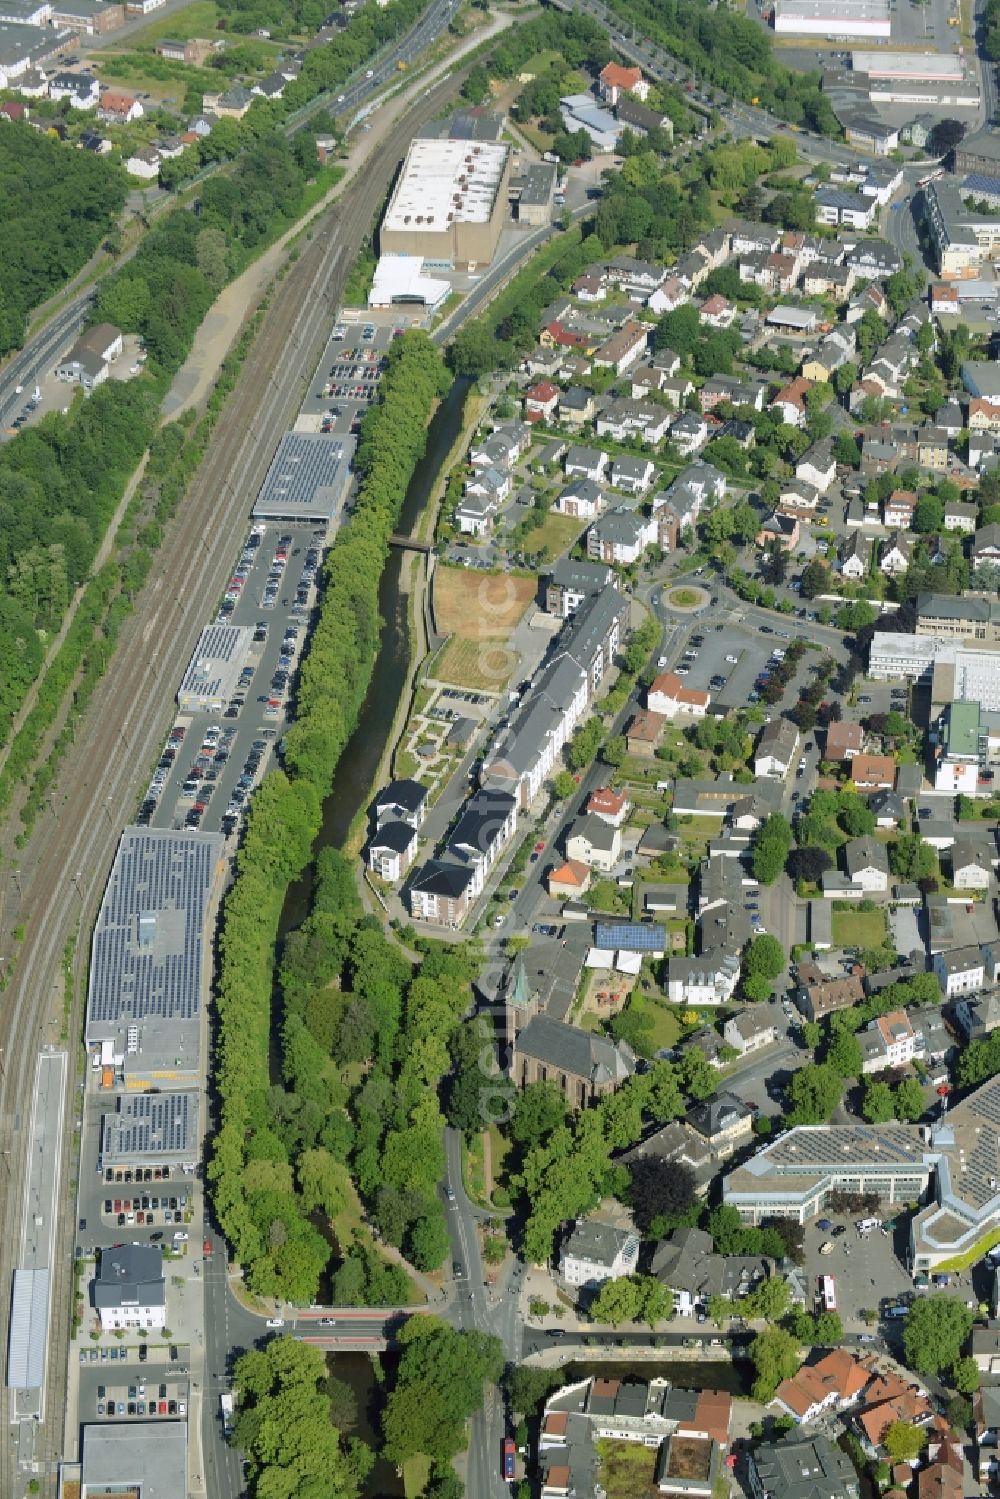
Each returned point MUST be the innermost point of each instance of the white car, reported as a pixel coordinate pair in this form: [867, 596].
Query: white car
[275, 1321]
[733, 660]
[180, 1237]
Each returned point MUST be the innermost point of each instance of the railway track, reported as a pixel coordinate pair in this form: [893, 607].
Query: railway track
[62, 871]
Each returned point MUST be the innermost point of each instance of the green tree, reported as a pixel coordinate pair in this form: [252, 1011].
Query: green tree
[843, 1054]
[965, 1375]
[765, 958]
[903, 1442]
[540, 1109]
[563, 784]
[935, 1330]
[439, 1384]
[908, 1100]
[878, 1105]
[775, 1356]
[813, 1093]
[910, 858]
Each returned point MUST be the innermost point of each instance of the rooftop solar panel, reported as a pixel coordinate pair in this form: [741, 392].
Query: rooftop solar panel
[633, 935]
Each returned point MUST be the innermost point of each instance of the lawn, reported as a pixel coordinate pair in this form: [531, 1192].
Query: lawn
[664, 1027]
[196, 20]
[479, 611]
[695, 833]
[556, 534]
[627, 1470]
[858, 928]
[416, 1472]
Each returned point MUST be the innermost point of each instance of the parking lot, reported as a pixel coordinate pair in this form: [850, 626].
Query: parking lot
[116, 1384]
[865, 1268]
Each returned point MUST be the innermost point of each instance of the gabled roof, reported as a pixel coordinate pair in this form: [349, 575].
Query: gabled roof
[580, 1053]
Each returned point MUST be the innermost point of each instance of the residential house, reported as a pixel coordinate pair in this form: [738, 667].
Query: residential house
[486, 823]
[583, 499]
[585, 463]
[391, 850]
[233, 104]
[984, 414]
[835, 1382]
[144, 162]
[817, 466]
[81, 90]
[637, 278]
[129, 1288]
[867, 864]
[571, 879]
[609, 806]
[615, 80]
[960, 515]
[716, 311]
[724, 1121]
[710, 979]
[790, 401]
[895, 554]
[986, 545]
[585, 1065]
[595, 1252]
[576, 406]
[119, 109]
[540, 401]
[689, 433]
[777, 748]
[963, 970]
[632, 476]
[801, 1467]
[749, 1030]
[621, 536]
[888, 808]
[897, 510]
[271, 87]
[669, 295]
[401, 801]
[625, 418]
[843, 741]
[590, 288]
[642, 734]
[878, 455]
[668, 697]
[818, 997]
[971, 865]
[623, 349]
[933, 452]
[779, 530]
[836, 205]
[688, 1265]
[594, 842]
[854, 557]
[675, 390]
[871, 296]
[873, 772]
[888, 1041]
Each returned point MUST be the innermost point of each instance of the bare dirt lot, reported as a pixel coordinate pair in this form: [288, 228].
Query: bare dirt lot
[480, 612]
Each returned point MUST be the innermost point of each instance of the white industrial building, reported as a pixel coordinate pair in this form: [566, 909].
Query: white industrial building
[400, 280]
[931, 78]
[838, 20]
[450, 203]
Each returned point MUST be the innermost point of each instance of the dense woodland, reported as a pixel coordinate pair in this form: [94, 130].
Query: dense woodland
[57, 206]
[280, 1169]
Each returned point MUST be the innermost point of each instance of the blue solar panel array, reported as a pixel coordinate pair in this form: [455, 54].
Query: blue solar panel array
[148, 943]
[635, 936]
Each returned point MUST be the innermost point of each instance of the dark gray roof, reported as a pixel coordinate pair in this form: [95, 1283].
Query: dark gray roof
[721, 1112]
[440, 877]
[866, 853]
[805, 1468]
[130, 1275]
[408, 794]
[395, 836]
[580, 1053]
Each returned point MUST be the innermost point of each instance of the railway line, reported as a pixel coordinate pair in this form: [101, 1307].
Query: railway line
[57, 887]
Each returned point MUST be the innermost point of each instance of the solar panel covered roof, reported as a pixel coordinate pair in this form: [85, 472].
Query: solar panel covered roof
[148, 947]
[636, 936]
[307, 478]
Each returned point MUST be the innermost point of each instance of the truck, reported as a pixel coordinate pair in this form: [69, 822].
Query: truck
[226, 1408]
[507, 1455]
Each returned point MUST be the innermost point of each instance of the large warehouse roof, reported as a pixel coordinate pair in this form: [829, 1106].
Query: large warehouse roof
[145, 1458]
[307, 478]
[839, 16]
[444, 182]
[148, 950]
[29, 1327]
[148, 1125]
[939, 66]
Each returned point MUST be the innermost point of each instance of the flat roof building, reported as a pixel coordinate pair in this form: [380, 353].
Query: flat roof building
[25, 47]
[149, 963]
[214, 670]
[532, 193]
[400, 280]
[144, 1459]
[961, 238]
[449, 204]
[151, 1128]
[938, 65]
[29, 1330]
[308, 478]
[836, 19]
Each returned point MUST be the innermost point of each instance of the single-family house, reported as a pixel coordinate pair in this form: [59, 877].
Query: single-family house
[585, 463]
[689, 433]
[854, 557]
[867, 864]
[817, 466]
[971, 865]
[594, 842]
[540, 401]
[668, 697]
[776, 749]
[609, 805]
[843, 741]
[632, 476]
[790, 401]
[119, 108]
[750, 1029]
[583, 499]
[873, 772]
[895, 554]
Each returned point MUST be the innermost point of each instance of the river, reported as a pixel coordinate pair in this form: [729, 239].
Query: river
[352, 782]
